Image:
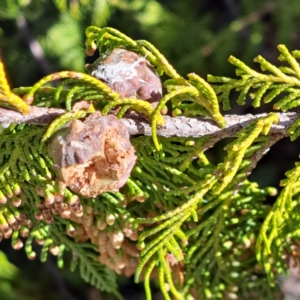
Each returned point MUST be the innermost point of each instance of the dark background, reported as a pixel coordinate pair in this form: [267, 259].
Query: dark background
[38, 37]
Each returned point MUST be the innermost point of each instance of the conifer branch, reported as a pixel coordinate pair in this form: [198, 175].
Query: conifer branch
[177, 126]
[194, 221]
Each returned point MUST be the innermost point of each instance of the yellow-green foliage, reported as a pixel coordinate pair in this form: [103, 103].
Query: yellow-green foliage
[205, 228]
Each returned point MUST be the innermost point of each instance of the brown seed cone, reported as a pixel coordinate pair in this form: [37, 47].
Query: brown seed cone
[17, 245]
[130, 249]
[65, 214]
[16, 202]
[54, 250]
[24, 232]
[7, 233]
[31, 255]
[93, 156]
[128, 74]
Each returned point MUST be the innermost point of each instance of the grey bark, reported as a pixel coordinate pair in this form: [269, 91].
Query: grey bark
[178, 126]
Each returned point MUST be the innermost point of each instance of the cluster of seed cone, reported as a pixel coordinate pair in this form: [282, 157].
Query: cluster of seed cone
[116, 246]
[57, 204]
[13, 223]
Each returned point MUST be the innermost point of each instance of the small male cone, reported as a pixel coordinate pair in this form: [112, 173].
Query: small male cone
[93, 156]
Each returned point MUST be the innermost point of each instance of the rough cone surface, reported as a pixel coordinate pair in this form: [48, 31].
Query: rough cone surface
[93, 156]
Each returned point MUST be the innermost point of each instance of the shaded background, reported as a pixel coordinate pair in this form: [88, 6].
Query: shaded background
[38, 37]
